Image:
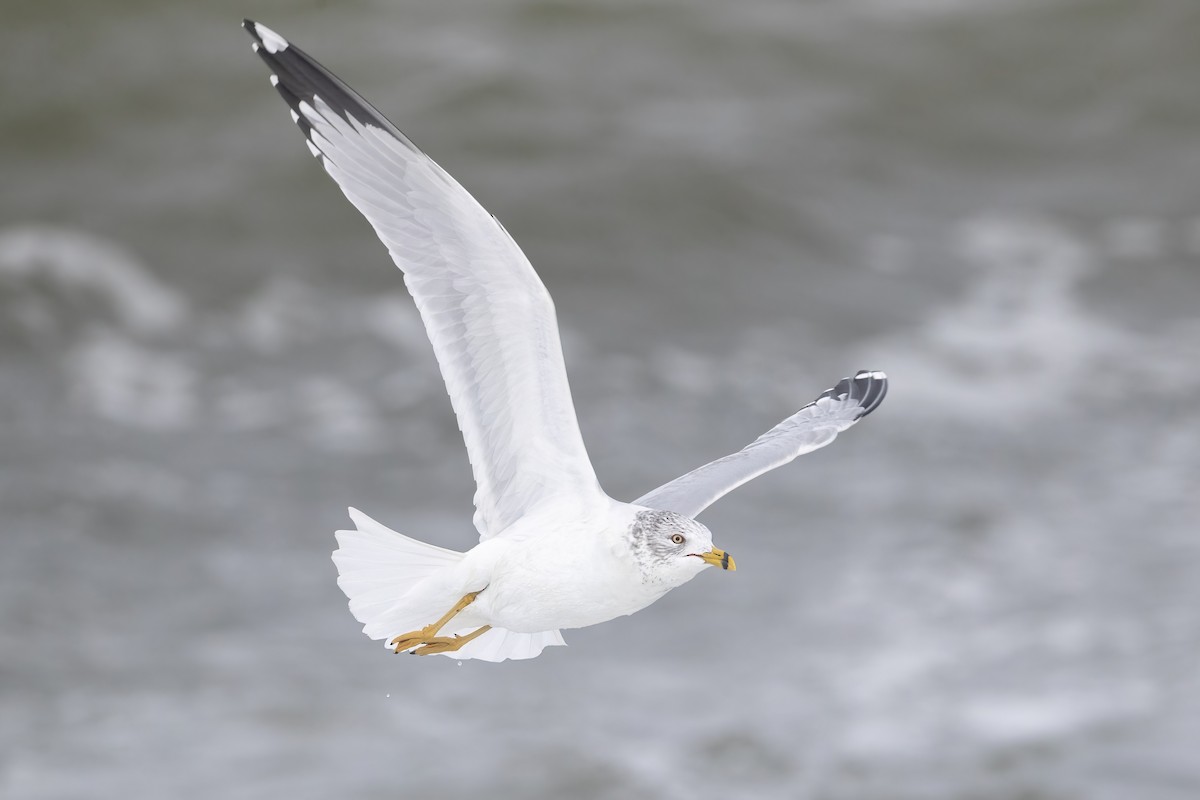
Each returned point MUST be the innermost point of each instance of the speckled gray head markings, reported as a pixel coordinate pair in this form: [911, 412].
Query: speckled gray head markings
[650, 538]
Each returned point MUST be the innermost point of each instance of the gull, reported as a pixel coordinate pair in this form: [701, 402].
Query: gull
[555, 551]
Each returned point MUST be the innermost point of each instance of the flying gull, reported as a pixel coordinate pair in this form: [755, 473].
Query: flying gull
[555, 551]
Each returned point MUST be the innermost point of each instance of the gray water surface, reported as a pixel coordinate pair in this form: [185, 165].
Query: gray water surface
[988, 590]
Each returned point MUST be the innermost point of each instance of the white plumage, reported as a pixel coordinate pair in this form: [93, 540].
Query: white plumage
[555, 550]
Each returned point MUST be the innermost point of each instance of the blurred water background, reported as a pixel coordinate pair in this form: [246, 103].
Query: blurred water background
[989, 590]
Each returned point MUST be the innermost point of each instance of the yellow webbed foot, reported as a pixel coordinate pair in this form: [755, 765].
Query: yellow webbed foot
[428, 634]
[448, 644]
[407, 641]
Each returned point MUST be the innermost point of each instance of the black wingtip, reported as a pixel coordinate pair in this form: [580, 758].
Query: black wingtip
[868, 387]
[298, 77]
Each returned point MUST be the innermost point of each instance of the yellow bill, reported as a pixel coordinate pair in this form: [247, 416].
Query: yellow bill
[718, 558]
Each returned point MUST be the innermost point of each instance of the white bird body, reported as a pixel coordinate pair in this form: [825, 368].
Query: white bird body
[534, 587]
[556, 551]
[550, 571]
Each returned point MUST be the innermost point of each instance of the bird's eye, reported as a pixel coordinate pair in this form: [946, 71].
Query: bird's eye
[677, 538]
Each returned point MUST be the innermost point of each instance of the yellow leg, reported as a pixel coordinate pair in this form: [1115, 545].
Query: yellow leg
[448, 644]
[406, 641]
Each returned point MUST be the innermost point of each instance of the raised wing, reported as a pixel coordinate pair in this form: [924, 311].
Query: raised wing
[490, 319]
[810, 428]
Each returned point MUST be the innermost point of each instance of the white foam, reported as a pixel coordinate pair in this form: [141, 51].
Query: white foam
[282, 314]
[338, 418]
[1019, 340]
[77, 263]
[1009, 719]
[130, 384]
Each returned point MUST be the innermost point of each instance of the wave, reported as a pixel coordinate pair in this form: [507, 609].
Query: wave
[1020, 341]
[57, 284]
[338, 368]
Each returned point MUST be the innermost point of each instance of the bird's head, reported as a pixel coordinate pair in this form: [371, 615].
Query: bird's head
[671, 549]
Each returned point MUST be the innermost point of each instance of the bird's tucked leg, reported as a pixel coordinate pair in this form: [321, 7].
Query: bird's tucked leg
[428, 634]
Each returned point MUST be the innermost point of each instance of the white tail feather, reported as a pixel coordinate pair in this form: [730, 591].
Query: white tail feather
[378, 567]
[499, 644]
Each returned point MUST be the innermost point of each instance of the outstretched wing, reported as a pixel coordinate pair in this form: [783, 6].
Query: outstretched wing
[810, 428]
[490, 319]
